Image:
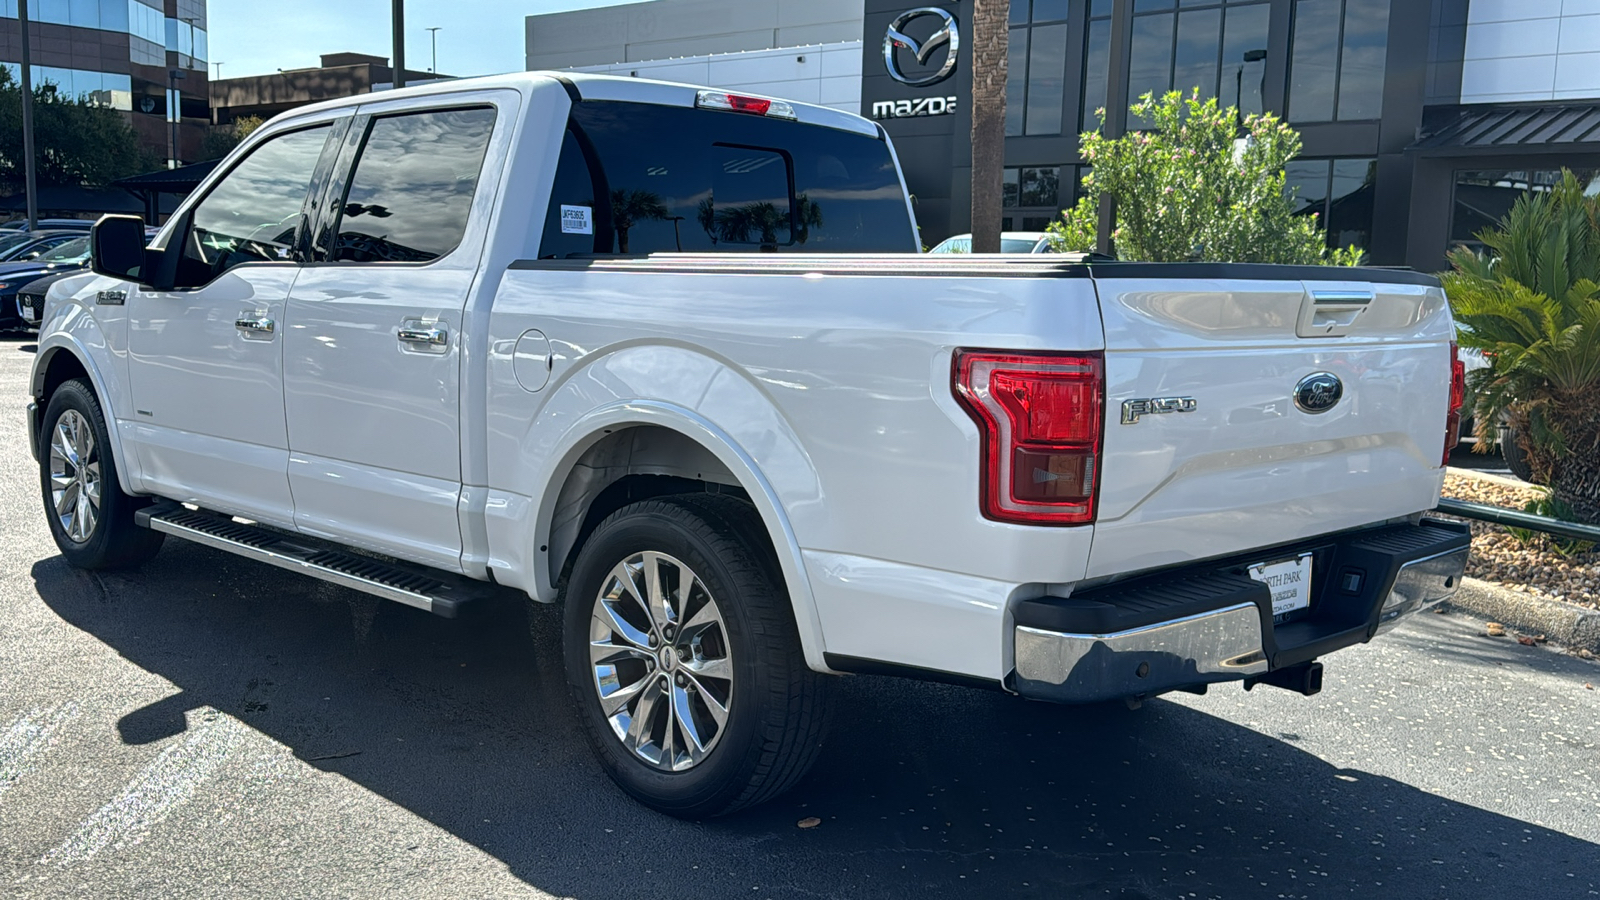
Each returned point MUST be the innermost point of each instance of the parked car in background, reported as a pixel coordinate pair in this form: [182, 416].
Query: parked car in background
[82, 225]
[25, 245]
[70, 257]
[1010, 242]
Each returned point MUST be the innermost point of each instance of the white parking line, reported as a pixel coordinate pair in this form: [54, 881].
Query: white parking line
[27, 738]
[169, 781]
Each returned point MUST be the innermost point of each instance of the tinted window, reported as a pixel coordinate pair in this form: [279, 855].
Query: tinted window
[413, 185]
[253, 214]
[699, 181]
[73, 250]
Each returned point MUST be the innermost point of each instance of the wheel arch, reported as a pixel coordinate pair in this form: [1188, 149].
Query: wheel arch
[62, 359]
[627, 451]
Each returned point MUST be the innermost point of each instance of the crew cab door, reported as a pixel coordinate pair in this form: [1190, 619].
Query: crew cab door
[374, 346]
[206, 358]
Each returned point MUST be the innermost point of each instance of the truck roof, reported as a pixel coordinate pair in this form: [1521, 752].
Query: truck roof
[588, 86]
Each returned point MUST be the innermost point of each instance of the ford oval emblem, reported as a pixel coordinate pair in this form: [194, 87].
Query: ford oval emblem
[1318, 392]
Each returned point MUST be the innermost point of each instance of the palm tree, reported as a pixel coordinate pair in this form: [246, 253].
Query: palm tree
[990, 38]
[1533, 309]
[630, 207]
[808, 215]
[737, 223]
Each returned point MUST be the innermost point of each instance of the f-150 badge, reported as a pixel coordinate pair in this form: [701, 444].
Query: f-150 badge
[1150, 406]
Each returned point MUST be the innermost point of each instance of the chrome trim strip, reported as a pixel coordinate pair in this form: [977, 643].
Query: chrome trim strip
[282, 561]
[33, 428]
[1221, 645]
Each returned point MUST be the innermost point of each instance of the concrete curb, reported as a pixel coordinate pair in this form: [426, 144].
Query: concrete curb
[1572, 627]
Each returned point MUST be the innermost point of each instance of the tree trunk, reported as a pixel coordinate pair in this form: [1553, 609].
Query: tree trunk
[990, 45]
[1575, 475]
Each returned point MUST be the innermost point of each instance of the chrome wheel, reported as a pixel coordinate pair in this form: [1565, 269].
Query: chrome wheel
[661, 662]
[75, 475]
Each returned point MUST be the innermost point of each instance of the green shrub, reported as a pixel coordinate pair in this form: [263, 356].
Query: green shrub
[1189, 188]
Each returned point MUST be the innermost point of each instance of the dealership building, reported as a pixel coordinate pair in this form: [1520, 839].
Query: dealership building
[1422, 120]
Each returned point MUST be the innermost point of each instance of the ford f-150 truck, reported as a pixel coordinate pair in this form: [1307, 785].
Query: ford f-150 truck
[668, 356]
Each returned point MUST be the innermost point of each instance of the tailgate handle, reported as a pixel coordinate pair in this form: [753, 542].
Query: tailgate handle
[1331, 313]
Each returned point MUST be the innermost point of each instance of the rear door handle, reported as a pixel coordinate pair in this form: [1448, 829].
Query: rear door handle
[257, 324]
[415, 332]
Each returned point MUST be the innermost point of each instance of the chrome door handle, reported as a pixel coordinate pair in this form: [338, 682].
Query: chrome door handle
[260, 324]
[430, 335]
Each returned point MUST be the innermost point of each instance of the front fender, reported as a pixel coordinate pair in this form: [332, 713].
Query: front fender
[76, 331]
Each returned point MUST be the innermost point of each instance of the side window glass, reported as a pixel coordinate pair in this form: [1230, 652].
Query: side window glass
[749, 202]
[413, 186]
[253, 214]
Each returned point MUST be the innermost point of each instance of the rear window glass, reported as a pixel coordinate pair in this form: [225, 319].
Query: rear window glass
[702, 181]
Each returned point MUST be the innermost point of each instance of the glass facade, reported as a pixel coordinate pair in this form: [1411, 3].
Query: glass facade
[1036, 67]
[1214, 46]
[1031, 196]
[1339, 192]
[107, 89]
[1337, 61]
[145, 25]
[1483, 197]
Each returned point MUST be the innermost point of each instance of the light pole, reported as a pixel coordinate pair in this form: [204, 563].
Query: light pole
[433, 36]
[27, 117]
[218, 76]
[399, 22]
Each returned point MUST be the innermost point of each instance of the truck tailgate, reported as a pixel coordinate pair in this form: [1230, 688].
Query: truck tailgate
[1207, 452]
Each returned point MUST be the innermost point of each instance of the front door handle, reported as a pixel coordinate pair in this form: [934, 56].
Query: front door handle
[258, 324]
[435, 335]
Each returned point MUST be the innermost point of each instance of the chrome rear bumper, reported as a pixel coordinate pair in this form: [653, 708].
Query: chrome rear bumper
[1370, 582]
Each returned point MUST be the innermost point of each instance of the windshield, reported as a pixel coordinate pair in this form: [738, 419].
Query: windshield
[75, 250]
[9, 241]
[1017, 245]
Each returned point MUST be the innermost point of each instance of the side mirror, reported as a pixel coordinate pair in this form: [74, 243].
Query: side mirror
[116, 248]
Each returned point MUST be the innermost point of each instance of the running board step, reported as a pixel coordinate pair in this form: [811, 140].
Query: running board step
[437, 592]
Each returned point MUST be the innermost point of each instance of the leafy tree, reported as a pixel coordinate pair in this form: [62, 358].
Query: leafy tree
[630, 207]
[221, 139]
[75, 142]
[1532, 306]
[1190, 188]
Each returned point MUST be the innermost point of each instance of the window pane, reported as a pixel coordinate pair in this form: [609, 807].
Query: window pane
[1307, 181]
[1047, 65]
[1199, 37]
[253, 214]
[56, 11]
[114, 15]
[1009, 188]
[1016, 79]
[847, 194]
[749, 199]
[1151, 67]
[1350, 203]
[1041, 187]
[1096, 63]
[1099, 8]
[1366, 39]
[1048, 10]
[413, 185]
[84, 13]
[1312, 66]
[1244, 30]
[1019, 12]
[1140, 6]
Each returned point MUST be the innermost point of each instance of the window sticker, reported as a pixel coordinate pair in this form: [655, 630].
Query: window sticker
[576, 220]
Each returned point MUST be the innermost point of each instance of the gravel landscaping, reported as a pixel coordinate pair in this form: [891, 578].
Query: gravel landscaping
[1536, 568]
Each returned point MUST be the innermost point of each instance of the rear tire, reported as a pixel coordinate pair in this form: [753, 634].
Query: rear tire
[673, 732]
[1515, 457]
[90, 517]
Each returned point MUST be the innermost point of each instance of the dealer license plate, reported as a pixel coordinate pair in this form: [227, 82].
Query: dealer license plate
[1290, 581]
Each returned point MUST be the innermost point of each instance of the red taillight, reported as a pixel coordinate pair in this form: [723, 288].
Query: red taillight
[1040, 416]
[1458, 396]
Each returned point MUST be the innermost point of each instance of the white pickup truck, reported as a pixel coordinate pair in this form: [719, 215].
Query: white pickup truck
[669, 356]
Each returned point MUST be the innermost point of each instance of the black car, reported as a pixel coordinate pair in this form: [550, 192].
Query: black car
[20, 246]
[69, 258]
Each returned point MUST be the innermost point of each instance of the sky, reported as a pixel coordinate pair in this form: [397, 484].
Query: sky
[476, 37]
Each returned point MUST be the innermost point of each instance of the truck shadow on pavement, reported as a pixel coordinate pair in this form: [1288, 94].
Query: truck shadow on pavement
[923, 789]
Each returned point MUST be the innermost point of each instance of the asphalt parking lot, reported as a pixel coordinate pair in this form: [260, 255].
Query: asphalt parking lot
[208, 727]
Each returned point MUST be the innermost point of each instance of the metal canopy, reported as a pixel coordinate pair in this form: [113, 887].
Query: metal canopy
[1518, 129]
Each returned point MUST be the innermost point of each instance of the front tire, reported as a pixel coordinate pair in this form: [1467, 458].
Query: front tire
[684, 661]
[90, 517]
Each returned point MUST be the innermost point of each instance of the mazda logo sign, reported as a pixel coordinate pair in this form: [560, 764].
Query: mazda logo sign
[1318, 392]
[947, 36]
